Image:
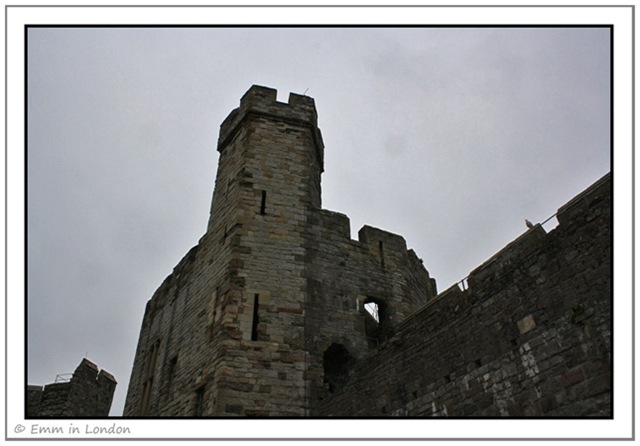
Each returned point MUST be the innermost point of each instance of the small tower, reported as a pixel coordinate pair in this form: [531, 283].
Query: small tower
[265, 315]
[88, 393]
[267, 185]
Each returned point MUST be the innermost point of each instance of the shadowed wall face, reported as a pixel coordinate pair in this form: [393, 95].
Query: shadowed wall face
[531, 336]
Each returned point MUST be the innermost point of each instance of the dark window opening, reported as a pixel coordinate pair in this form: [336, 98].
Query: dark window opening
[374, 321]
[263, 202]
[199, 404]
[336, 362]
[256, 318]
[170, 376]
[213, 313]
[381, 249]
[224, 236]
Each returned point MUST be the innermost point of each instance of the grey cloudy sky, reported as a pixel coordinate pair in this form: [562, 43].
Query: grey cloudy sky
[450, 137]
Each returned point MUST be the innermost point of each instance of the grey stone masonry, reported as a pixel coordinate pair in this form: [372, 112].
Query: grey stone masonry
[257, 319]
[89, 393]
[530, 336]
[278, 312]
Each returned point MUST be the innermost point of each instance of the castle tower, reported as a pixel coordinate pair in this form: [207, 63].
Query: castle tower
[266, 314]
[88, 393]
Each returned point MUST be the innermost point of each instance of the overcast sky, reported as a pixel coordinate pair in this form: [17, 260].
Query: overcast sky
[449, 137]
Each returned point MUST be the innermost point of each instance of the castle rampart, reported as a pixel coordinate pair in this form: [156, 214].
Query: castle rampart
[247, 322]
[530, 336]
[88, 393]
[279, 312]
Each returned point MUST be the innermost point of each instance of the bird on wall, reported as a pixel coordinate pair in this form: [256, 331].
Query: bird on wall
[529, 224]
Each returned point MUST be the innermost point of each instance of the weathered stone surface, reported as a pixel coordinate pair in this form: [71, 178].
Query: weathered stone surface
[511, 344]
[89, 393]
[267, 315]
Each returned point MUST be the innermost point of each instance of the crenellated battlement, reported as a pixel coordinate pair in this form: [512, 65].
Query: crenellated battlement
[300, 111]
[337, 226]
[279, 312]
[88, 393]
[372, 238]
[530, 335]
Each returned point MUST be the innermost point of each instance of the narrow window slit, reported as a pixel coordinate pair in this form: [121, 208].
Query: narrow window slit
[172, 371]
[381, 249]
[199, 406]
[254, 325]
[374, 315]
[263, 202]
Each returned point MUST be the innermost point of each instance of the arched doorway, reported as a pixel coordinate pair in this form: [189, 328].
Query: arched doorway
[336, 362]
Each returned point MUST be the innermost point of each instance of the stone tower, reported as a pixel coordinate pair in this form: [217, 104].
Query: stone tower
[89, 393]
[266, 315]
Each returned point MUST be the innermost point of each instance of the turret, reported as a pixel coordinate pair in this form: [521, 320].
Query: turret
[268, 147]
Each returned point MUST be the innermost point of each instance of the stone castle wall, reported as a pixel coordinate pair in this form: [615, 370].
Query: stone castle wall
[89, 393]
[344, 274]
[530, 336]
[242, 325]
[266, 315]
